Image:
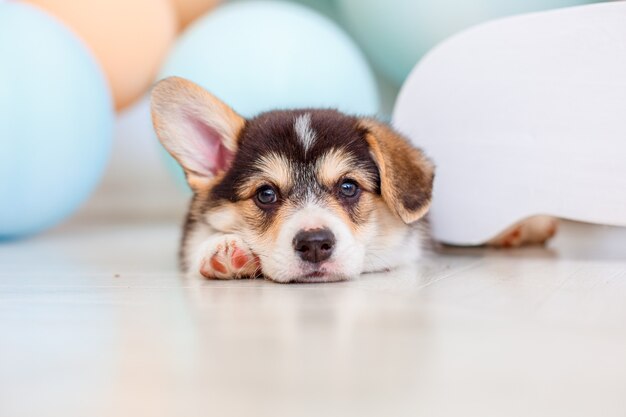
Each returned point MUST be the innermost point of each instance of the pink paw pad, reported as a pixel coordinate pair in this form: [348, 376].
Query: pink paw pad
[228, 261]
[217, 265]
[239, 258]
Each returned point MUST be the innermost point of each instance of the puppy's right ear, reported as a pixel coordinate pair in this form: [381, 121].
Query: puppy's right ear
[196, 128]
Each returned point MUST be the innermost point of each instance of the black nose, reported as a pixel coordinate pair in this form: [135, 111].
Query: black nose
[314, 245]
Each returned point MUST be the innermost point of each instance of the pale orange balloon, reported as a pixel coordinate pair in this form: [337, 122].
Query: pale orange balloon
[189, 10]
[130, 38]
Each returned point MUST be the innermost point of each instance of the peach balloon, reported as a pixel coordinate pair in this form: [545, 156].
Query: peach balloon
[189, 10]
[129, 38]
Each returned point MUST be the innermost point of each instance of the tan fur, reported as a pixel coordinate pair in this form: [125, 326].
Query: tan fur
[271, 233]
[365, 207]
[274, 169]
[406, 174]
[336, 165]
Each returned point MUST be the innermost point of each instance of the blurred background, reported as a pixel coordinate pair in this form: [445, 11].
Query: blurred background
[95, 319]
[75, 130]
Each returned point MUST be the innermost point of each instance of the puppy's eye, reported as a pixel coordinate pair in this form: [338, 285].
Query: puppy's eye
[349, 189]
[266, 196]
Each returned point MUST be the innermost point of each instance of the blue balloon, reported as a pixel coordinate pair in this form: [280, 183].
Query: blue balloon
[56, 121]
[259, 56]
[397, 33]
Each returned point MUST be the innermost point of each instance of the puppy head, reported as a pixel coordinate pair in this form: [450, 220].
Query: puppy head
[310, 191]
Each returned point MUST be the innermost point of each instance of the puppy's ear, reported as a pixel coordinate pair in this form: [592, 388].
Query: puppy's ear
[196, 128]
[406, 174]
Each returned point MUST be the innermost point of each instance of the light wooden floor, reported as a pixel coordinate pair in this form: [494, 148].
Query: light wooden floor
[95, 321]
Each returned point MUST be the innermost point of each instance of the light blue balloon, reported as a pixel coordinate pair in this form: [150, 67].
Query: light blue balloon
[397, 33]
[56, 121]
[259, 56]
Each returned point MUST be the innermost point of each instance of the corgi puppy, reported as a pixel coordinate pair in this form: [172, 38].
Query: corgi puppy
[294, 196]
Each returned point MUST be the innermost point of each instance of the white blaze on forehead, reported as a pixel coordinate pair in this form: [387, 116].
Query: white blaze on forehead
[304, 131]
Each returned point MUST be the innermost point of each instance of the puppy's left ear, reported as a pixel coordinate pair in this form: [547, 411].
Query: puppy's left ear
[406, 174]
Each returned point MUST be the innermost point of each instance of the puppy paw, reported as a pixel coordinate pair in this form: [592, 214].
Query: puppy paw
[228, 257]
[535, 230]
